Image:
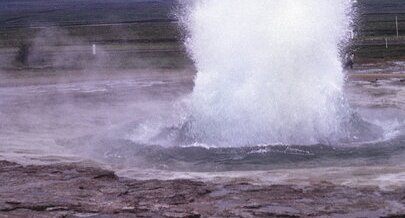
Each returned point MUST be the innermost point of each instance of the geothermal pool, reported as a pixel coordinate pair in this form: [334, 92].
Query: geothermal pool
[46, 120]
[272, 98]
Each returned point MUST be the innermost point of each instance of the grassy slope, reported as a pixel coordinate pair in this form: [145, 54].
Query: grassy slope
[151, 23]
[134, 33]
[378, 17]
[377, 22]
[144, 19]
[22, 13]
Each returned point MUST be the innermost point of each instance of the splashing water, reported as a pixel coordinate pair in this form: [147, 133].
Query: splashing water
[268, 71]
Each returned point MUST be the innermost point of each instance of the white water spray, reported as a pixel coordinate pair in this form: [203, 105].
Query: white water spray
[268, 71]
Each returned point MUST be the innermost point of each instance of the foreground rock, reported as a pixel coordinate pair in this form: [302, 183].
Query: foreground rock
[79, 190]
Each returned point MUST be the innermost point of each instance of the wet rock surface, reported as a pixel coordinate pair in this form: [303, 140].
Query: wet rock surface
[85, 190]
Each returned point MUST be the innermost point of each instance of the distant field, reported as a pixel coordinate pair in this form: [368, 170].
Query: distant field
[133, 32]
[377, 17]
[376, 23]
[91, 20]
[128, 33]
[23, 13]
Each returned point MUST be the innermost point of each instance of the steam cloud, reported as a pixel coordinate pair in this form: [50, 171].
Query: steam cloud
[268, 71]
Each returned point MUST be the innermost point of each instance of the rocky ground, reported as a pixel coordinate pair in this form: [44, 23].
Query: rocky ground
[33, 122]
[85, 190]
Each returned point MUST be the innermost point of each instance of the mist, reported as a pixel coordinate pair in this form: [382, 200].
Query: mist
[268, 71]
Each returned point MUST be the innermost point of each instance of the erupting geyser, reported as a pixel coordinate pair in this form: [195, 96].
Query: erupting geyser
[269, 71]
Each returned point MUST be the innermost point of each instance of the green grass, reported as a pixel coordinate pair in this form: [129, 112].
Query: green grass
[132, 33]
[150, 24]
[23, 13]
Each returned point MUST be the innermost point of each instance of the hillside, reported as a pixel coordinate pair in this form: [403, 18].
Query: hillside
[121, 25]
[32, 13]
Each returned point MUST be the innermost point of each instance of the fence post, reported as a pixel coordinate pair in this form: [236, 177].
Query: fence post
[396, 25]
[94, 49]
